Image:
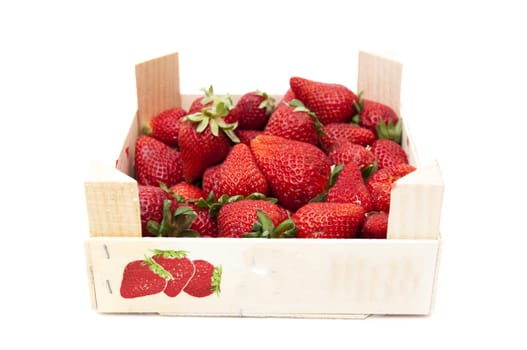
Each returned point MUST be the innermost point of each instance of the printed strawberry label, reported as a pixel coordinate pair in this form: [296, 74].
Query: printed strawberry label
[170, 272]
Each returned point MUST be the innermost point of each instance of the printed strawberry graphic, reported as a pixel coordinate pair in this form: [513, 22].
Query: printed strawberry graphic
[353, 133]
[205, 139]
[375, 225]
[388, 153]
[328, 220]
[295, 122]
[142, 278]
[178, 265]
[379, 118]
[238, 218]
[206, 280]
[380, 184]
[151, 199]
[253, 110]
[296, 171]
[350, 188]
[237, 175]
[156, 162]
[332, 103]
[165, 126]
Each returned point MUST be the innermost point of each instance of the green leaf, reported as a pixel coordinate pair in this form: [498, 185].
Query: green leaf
[321, 197]
[214, 128]
[196, 117]
[335, 172]
[202, 125]
[152, 227]
[221, 109]
[267, 223]
[369, 170]
[232, 136]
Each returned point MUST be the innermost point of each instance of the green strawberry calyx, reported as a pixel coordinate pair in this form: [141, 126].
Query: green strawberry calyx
[391, 131]
[174, 195]
[213, 117]
[335, 172]
[264, 228]
[359, 106]
[300, 107]
[157, 269]
[268, 102]
[175, 254]
[175, 224]
[214, 206]
[216, 280]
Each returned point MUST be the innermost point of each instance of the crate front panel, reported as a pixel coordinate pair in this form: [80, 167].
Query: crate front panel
[277, 277]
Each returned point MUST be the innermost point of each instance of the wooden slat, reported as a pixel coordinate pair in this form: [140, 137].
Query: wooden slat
[416, 203]
[112, 201]
[380, 80]
[157, 83]
[298, 278]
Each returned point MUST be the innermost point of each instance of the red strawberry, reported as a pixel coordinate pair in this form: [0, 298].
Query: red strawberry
[206, 280]
[151, 200]
[200, 149]
[380, 184]
[328, 220]
[238, 218]
[343, 151]
[246, 136]
[296, 171]
[178, 265]
[186, 191]
[142, 278]
[156, 162]
[237, 175]
[375, 225]
[203, 101]
[165, 126]
[204, 223]
[350, 188]
[350, 132]
[388, 153]
[253, 110]
[295, 122]
[332, 103]
[288, 97]
[371, 113]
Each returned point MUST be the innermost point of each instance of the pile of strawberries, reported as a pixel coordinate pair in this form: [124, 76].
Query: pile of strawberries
[320, 163]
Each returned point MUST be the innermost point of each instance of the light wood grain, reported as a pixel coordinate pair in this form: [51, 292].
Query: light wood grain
[112, 202]
[380, 80]
[157, 83]
[299, 277]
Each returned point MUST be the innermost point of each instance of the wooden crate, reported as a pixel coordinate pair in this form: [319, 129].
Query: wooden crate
[277, 278]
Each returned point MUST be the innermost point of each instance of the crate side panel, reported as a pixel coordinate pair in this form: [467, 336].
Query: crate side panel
[112, 202]
[416, 204]
[380, 80]
[276, 277]
[157, 83]
[125, 161]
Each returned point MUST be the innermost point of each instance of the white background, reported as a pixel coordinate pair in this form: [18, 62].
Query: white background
[67, 95]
